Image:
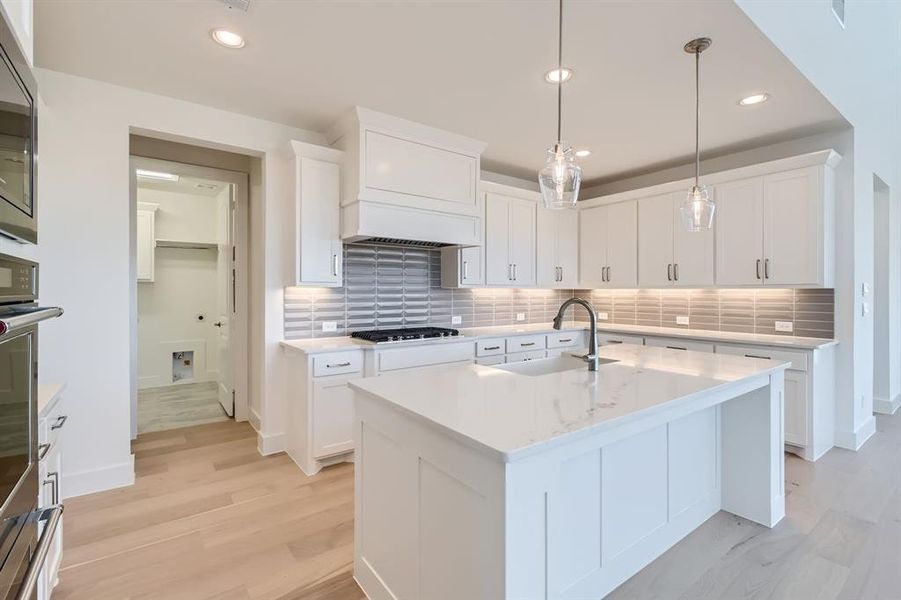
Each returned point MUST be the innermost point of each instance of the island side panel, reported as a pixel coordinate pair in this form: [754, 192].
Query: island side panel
[428, 511]
[583, 518]
[753, 466]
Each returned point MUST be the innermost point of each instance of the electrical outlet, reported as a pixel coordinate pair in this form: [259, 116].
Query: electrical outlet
[786, 326]
[330, 326]
[520, 316]
[456, 320]
[681, 320]
[602, 316]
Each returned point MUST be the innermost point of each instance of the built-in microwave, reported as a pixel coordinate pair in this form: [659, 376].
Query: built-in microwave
[18, 141]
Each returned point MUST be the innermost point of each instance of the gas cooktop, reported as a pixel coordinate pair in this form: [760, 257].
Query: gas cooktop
[381, 336]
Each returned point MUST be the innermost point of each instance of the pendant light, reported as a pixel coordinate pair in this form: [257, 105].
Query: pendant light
[697, 209]
[561, 177]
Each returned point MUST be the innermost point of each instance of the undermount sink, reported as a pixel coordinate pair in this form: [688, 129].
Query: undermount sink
[546, 366]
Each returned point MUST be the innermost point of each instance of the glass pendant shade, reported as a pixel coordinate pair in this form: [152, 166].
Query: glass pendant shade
[697, 210]
[560, 178]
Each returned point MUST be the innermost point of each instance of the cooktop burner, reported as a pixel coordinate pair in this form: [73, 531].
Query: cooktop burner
[380, 336]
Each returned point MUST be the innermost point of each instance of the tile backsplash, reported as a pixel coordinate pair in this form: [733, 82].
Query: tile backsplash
[387, 286]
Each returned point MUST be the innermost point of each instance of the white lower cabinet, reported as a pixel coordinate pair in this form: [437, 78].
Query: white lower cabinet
[51, 422]
[606, 339]
[678, 344]
[333, 412]
[796, 408]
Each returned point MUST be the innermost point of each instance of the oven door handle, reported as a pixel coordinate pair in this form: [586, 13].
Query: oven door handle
[51, 515]
[12, 323]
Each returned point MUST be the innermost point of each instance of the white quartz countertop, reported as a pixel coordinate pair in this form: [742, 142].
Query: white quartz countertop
[515, 415]
[334, 344]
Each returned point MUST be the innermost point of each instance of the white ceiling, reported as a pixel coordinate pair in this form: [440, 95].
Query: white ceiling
[472, 67]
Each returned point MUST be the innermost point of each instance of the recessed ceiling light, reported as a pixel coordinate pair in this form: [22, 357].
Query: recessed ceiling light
[227, 38]
[554, 75]
[144, 174]
[583, 153]
[754, 99]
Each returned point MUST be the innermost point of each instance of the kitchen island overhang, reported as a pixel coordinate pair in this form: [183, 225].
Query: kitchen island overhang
[474, 482]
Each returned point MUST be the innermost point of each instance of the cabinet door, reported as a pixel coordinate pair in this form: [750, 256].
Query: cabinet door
[522, 241]
[547, 261]
[497, 240]
[795, 408]
[471, 266]
[592, 246]
[145, 245]
[318, 214]
[655, 230]
[739, 232]
[692, 251]
[622, 244]
[792, 227]
[333, 415]
[568, 248]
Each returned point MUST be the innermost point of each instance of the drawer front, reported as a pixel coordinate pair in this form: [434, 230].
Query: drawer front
[337, 363]
[491, 347]
[52, 424]
[423, 356]
[606, 339]
[679, 344]
[526, 343]
[498, 359]
[564, 340]
[524, 356]
[797, 359]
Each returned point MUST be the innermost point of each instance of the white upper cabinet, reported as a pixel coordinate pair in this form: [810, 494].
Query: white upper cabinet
[608, 246]
[510, 238]
[668, 254]
[462, 267]
[739, 232]
[408, 181]
[319, 253]
[558, 248]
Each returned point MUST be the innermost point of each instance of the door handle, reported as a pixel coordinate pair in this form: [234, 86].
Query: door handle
[60, 421]
[669, 272]
[608, 274]
[766, 269]
[217, 324]
[53, 480]
[758, 268]
[676, 348]
[758, 356]
[492, 347]
[514, 271]
[465, 269]
[335, 265]
[603, 274]
[338, 365]
[526, 344]
[43, 449]
[676, 271]
[510, 272]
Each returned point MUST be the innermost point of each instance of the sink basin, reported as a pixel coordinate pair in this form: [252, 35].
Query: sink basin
[546, 366]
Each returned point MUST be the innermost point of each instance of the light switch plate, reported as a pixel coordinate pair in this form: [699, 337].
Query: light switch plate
[786, 326]
[456, 320]
[330, 326]
[681, 320]
[520, 316]
[602, 316]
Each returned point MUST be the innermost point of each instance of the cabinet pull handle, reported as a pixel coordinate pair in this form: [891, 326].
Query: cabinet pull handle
[60, 421]
[758, 356]
[510, 272]
[669, 272]
[492, 347]
[514, 271]
[564, 340]
[758, 268]
[53, 479]
[676, 348]
[603, 274]
[526, 344]
[676, 271]
[766, 269]
[43, 449]
[613, 341]
[335, 265]
[465, 269]
[336, 365]
[608, 274]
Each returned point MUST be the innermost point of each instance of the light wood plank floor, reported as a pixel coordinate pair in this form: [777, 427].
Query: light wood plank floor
[210, 518]
[175, 406]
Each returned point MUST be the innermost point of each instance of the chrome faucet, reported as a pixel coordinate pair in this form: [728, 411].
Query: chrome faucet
[592, 357]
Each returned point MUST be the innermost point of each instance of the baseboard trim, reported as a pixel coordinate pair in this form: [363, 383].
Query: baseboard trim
[886, 407]
[255, 420]
[99, 480]
[853, 440]
[271, 443]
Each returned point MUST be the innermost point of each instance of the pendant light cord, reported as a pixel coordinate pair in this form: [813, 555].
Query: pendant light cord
[697, 117]
[560, 75]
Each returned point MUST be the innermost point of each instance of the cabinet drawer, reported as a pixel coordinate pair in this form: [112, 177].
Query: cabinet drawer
[491, 360]
[564, 340]
[679, 344]
[797, 359]
[51, 425]
[605, 339]
[490, 347]
[423, 356]
[337, 363]
[524, 356]
[526, 343]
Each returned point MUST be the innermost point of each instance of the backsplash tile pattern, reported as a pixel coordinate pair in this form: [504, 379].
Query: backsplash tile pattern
[387, 286]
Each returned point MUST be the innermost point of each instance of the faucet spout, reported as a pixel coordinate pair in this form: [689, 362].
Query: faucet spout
[592, 357]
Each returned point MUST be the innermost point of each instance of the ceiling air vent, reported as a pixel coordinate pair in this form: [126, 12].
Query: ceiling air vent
[241, 5]
[838, 9]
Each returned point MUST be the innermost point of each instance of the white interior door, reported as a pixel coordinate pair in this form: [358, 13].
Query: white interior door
[225, 272]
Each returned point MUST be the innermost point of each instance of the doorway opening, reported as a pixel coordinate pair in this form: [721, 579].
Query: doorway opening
[886, 300]
[191, 303]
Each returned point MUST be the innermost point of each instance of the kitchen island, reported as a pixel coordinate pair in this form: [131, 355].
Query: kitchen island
[545, 480]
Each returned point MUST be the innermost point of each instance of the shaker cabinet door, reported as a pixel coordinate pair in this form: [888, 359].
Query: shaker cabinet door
[655, 232]
[739, 232]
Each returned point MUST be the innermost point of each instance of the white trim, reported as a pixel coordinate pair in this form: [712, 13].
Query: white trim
[255, 420]
[272, 443]
[886, 407]
[827, 157]
[99, 480]
[853, 440]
